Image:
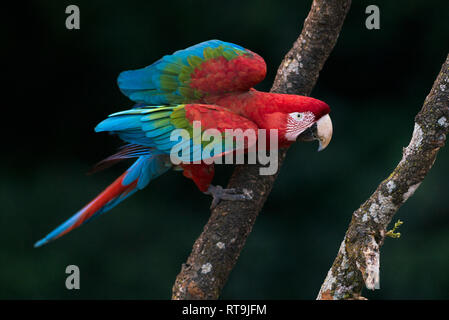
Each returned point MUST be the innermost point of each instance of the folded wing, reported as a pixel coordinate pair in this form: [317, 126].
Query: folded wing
[154, 126]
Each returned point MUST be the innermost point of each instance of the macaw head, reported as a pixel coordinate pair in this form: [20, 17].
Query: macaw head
[301, 118]
[310, 121]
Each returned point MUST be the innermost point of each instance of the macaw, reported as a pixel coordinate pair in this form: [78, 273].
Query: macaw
[211, 82]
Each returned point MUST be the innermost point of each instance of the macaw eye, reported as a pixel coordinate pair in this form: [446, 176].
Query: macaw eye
[299, 116]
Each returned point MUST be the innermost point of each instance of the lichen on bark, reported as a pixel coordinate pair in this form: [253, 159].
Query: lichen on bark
[357, 262]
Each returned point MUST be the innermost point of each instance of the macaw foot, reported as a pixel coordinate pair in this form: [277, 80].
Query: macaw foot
[218, 193]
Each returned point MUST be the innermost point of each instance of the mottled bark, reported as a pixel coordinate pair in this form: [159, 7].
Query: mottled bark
[358, 259]
[217, 249]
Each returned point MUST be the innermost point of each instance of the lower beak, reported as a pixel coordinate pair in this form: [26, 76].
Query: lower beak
[320, 130]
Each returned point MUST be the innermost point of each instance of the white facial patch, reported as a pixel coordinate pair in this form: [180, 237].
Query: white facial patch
[297, 123]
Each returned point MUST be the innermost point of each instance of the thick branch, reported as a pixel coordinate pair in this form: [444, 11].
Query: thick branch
[217, 249]
[357, 263]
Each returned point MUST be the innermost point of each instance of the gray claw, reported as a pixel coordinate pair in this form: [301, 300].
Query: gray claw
[232, 194]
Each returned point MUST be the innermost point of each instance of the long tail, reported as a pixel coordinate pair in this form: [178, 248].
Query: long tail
[136, 177]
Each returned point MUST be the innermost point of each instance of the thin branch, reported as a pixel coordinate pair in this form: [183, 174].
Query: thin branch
[358, 259]
[217, 249]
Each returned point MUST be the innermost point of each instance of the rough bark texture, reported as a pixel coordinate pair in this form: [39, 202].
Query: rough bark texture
[358, 259]
[217, 249]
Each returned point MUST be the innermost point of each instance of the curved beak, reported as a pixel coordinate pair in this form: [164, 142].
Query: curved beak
[324, 131]
[321, 131]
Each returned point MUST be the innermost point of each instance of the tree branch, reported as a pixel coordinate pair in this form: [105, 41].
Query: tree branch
[358, 259]
[217, 249]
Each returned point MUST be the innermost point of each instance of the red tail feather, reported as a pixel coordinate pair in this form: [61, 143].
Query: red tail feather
[115, 190]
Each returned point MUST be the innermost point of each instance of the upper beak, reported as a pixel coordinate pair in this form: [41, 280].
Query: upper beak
[321, 131]
[324, 131]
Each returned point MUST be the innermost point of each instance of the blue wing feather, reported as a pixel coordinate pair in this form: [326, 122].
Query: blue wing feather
[152, 127]
[144, 85]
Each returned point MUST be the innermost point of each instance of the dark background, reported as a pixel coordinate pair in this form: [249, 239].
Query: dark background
[61, 83]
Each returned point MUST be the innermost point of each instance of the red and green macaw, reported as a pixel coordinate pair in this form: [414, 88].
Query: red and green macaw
[210, 82]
